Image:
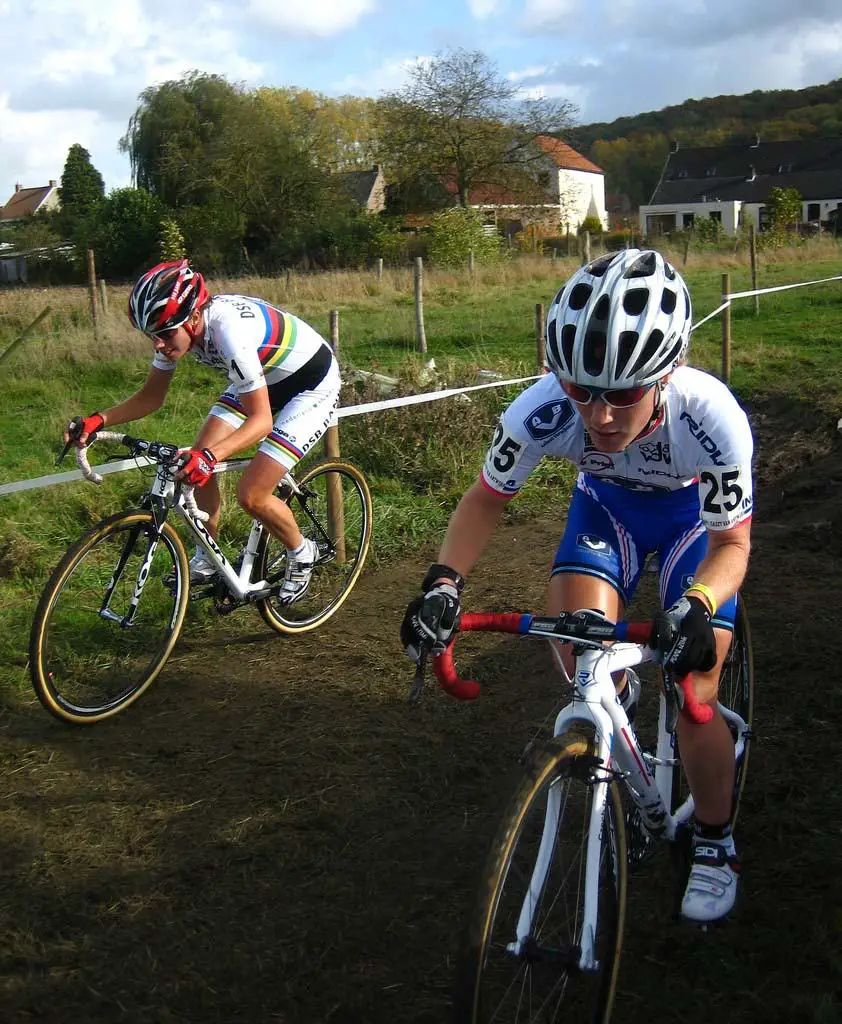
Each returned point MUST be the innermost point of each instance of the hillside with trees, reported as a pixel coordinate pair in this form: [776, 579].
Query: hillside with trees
[632, 150]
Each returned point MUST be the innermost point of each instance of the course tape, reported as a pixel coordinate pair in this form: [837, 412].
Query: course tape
[388, 403]
[352, 410]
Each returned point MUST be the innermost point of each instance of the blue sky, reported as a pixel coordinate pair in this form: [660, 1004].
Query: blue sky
[72, 69]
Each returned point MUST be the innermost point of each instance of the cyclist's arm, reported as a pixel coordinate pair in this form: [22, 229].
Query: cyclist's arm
[724, 566]
[149, 398]
[255, 427]
[471, 527]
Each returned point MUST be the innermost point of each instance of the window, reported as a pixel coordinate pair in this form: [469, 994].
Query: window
[710, 172]
[784, 168]
[687, 220]
[716, 215]
[814, 211]
[681, 174]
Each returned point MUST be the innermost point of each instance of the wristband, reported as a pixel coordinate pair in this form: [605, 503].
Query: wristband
[439, 571]
[706, 593]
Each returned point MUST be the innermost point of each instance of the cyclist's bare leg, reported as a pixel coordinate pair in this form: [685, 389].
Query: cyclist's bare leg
[707, 751]
[213, 431]
[255, 494]
[568, 592]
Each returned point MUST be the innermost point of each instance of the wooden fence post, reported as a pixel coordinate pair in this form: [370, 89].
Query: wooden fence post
[420, 336]
[726, 330]
[379, 268]
[92, 291]
[586, 247]
[103, 296]
[335, 503]
[471, 262]
[753, 246]
[26, 332]
[540, 328]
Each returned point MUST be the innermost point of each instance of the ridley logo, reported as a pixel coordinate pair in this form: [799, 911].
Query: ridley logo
[704, 439]
[596, 462]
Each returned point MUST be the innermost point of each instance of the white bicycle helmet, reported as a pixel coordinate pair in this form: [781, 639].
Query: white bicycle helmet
[622, 321]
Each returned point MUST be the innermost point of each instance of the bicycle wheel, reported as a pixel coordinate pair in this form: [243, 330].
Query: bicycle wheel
[736, 692]
[343, 541]
[543, 982]
[85, 663]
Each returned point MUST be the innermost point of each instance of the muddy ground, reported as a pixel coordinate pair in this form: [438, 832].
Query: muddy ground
[273, 835]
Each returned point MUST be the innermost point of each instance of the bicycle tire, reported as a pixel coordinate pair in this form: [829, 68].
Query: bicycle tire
[546, 986]
[736, 691]
[86, 668]
[332, 579]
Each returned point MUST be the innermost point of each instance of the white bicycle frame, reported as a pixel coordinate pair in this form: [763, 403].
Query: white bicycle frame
[182, 500]
[648, 777]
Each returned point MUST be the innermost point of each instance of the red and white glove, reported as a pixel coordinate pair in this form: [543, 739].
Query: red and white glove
[197, 466]
[82, 429]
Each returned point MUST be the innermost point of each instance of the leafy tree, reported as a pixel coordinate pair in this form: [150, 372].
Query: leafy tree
[593, 225]
[82, 188]
[455, 233]
[125, 232]
[171, 241]
[33, 232]
[461, 120]
[785, 205]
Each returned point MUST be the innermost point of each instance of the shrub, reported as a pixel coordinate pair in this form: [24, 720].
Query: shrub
[454, 234]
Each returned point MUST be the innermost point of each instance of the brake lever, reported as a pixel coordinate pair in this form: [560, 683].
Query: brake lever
[416, 691]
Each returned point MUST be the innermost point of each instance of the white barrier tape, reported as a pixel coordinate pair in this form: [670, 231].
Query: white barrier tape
[782, 288]
[430, 396]
[705, 319]
[352, 410]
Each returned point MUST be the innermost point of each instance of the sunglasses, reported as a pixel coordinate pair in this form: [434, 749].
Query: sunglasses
[616, 398]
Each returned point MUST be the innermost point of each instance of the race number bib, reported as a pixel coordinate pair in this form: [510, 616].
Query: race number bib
[725, 496]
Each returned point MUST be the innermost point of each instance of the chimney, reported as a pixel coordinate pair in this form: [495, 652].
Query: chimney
[756, 142]
[674, 144]
[52, 182]
[752, 173]
[17, 186]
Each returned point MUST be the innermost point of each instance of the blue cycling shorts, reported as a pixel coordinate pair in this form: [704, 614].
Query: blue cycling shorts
[611, 530]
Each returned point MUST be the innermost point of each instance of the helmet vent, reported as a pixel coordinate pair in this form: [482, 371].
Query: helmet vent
[643, 266]
[671, 358]
[568, 339]
[669, 271]
[601, 310]
[580, 295]
[625, 350]
[668, 300]
[598, 267]
[594, 352]
[653, 343]
[558, 296]
[634, 301]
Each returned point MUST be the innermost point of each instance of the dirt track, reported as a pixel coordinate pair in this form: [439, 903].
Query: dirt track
[272, 834]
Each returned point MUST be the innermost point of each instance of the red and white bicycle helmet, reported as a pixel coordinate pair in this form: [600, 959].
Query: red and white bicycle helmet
[621, 321]
[165, 297]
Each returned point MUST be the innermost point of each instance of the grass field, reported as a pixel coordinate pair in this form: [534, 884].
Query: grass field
[269, 835]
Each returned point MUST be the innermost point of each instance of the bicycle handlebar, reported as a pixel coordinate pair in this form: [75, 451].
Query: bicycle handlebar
[569, 626]
[156, 450]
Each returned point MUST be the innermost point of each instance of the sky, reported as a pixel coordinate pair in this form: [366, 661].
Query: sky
[72, 70]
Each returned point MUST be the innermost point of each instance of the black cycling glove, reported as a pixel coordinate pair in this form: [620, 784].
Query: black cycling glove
[684, 635]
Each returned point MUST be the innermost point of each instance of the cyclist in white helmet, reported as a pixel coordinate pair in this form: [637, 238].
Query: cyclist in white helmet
[664, 457]
[282, 395]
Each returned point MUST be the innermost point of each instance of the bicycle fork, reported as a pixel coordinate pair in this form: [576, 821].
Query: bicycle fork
[126, 621]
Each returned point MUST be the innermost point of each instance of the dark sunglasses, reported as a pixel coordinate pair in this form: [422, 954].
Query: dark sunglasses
[617, 398]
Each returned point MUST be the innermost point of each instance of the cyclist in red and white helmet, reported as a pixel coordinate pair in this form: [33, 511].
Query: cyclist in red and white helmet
[664, 459]
[282, 395]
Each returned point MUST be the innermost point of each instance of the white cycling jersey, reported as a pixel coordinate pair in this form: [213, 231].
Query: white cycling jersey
[256, 342]
[700, 436]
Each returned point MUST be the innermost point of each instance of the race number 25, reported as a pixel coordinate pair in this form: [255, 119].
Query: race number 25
[505, 450]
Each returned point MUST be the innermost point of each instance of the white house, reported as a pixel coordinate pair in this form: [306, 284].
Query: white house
[731, 184]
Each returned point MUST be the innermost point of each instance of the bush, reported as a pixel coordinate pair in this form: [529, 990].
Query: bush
[593, 225]
[454, 234]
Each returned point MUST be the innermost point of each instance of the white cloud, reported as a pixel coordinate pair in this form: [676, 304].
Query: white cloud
[389, 76]
[535, 72]
[311, 17]
[482, 9]
[550, 15]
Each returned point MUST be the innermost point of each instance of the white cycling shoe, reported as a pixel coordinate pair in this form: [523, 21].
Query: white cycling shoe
[202, 568]
[712, 886]
[299, 570]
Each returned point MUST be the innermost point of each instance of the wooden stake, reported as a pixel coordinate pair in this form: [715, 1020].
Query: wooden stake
[92, 291]
[335, 503]
[420, 335]
[726, 330]
[540, 329]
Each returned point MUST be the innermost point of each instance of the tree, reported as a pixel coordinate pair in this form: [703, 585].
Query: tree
[125, 232]
[461, 120]
[81, 190]
[785, 205]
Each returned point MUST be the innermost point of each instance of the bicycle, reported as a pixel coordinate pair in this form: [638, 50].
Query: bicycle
[546, 933]
[111, 613]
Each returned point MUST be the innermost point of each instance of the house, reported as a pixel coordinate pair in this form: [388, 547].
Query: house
[366, 188]
[574, 185]
[731, 184]
[27, 201]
